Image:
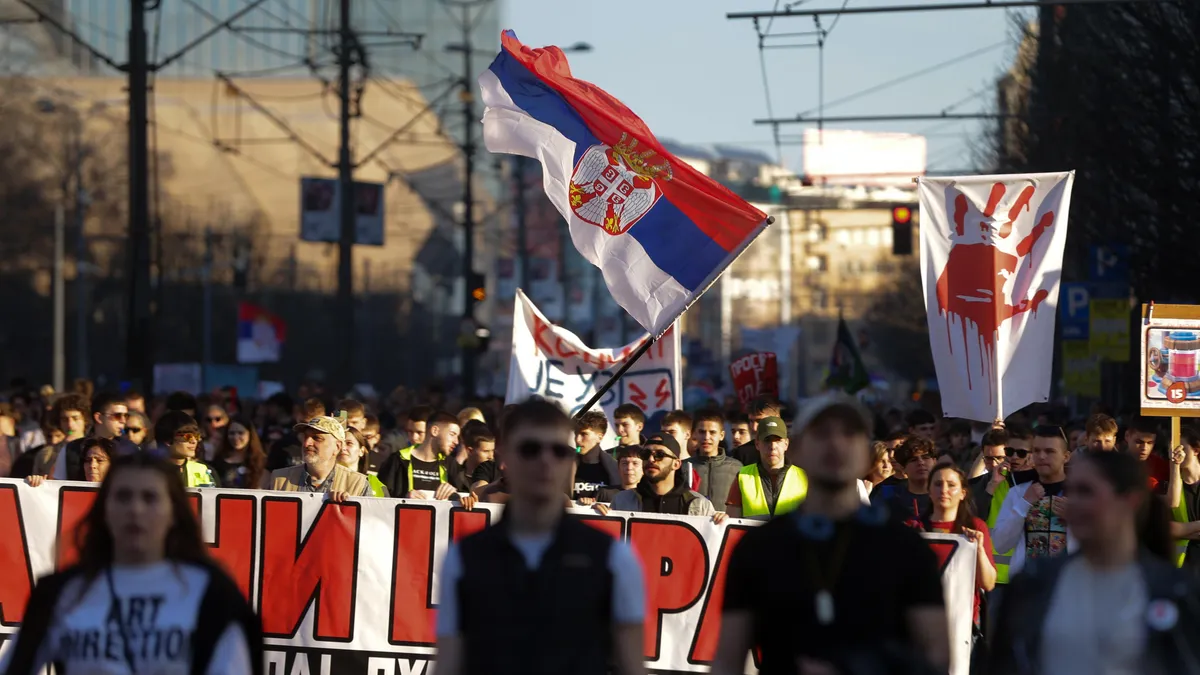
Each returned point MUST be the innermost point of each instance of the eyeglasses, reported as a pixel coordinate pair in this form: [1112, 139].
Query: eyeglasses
[1020, 453]
[187, 437]
[660, 455]
[532, 449]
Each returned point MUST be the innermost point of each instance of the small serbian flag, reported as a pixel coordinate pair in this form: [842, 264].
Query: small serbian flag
[659, 230]
[260, 334]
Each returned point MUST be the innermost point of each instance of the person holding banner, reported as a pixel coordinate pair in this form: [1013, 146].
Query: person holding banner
[572, 597]
[1119, 606]
[145, 597]
[662, 489]
[770, 487]
[834, 611]
[1031, 522]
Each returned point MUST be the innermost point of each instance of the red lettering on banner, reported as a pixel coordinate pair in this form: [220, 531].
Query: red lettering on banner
[614, 527]
[663, 392]
[234, 543]
[299, 568]
[540, 328]
[704, 644]
[675, 560]
[413, 613]
[562, 350]
[464, 523]
[73, 505]
[15, 567]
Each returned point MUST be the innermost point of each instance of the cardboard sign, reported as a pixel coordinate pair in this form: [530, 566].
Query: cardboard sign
[1170, 381]
[755, 375]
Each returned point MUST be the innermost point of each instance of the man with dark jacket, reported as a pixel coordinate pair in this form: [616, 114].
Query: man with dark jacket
[594, 468]
[717, 470]
[659, 491]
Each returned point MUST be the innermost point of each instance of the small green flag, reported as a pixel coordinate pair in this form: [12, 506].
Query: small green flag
[846, 369]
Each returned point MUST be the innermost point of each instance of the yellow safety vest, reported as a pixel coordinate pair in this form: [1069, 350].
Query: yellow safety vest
[441, 460]
[406, 453]
[196, 474]
[1180, 515]
[1003, 560]
[377, 488]
[791, 493]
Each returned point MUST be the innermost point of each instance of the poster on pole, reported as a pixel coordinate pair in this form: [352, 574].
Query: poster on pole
[320, 211]
[552, 362]
[755, 375]
[1170, 381]
[353, 587]
[991, 261]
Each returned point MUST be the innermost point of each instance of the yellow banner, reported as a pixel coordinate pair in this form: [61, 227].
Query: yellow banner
[1081, 369]
[1108, 329]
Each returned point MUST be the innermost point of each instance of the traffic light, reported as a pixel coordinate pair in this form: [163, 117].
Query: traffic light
[902, 231]
[478, 286]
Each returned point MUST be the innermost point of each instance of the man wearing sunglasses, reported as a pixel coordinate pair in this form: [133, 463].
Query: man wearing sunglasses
[660, 491]
[179, 436]
[543, 567]
[109, 415]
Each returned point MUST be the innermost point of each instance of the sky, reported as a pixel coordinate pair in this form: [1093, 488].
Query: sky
[695, 76]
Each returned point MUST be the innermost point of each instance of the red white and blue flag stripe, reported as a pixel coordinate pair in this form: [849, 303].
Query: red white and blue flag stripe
[260, 334]
[660, 231]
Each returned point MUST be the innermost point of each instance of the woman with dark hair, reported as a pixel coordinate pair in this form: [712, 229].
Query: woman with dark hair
[144, 589]
[240, 461]
[1119, 605]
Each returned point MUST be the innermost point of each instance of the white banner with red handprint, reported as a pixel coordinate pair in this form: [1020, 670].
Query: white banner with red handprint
[552, 362]
[991, 261]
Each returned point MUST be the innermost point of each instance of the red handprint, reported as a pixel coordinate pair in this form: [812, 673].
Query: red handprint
[971, 288]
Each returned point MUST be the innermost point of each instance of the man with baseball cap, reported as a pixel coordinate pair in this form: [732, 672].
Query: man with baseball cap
[838, 613]
[660, 491]
[321, 440]
[771, 486]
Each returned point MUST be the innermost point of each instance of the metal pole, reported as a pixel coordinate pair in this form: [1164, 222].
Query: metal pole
[206, 271]
[81, 295]
[469, 122]
[60, 310]
[616, 376]
[519, 166]
[139, 350]
[345, 295]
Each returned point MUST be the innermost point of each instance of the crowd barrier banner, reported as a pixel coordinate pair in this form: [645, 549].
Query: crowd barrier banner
[552, 362]
[352, 588]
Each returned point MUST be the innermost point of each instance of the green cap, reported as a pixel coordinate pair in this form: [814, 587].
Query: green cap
[771, 426]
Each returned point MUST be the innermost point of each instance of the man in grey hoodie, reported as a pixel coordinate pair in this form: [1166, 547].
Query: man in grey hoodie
[717, 470]
[659, 491]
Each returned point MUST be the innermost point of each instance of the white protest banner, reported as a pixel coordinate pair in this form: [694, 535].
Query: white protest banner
[991, 261]
[552, 362]
[352, 588]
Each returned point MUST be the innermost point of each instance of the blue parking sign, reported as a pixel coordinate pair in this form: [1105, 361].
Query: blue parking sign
[1108, 264]
[1073, 314]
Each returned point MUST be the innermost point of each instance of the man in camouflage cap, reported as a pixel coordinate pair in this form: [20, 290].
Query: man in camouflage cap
[321, 439]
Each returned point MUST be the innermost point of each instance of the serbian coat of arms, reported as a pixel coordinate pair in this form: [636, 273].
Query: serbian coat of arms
[612, 187]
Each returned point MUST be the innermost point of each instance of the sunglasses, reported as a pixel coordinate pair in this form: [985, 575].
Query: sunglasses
[187, 437]
[1016, 452]
[533, 449]
[660, 455]
[118, 415]
[134, 430]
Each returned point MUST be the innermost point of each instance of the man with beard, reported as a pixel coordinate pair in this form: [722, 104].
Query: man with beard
[321, 440]
[836, 612]
[659, 491]
[909, 502]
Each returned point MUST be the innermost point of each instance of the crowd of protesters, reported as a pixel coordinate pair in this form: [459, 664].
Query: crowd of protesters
[1029, 491]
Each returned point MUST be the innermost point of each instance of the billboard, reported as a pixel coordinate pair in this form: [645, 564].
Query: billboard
[320, 209]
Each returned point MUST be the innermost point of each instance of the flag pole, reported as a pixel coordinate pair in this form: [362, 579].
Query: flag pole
[612, 381]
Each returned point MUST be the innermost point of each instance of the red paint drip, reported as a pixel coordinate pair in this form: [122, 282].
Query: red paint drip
[960, 213]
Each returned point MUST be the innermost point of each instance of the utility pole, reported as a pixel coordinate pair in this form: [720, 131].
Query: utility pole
[60, 310]
[469, 122]
[81, 295]
[206, 277]
[345, 291]
[139, 355]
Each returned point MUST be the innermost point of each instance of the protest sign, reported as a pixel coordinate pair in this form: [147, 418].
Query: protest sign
[352, 588]
[991, 261]
[754, 375]
[552, 362]
[1170, 382]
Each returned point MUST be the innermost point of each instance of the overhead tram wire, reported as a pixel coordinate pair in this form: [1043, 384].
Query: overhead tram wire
[934, 7]
[242, 35]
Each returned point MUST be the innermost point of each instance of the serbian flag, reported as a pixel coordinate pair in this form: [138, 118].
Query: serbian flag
[660, 231]
[260, 334]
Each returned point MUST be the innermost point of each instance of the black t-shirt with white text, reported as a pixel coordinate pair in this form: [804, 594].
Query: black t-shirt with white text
[869, 605]
[589, 478]
[425, 475]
